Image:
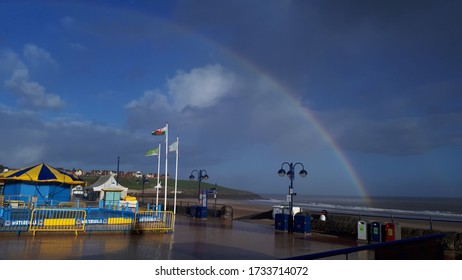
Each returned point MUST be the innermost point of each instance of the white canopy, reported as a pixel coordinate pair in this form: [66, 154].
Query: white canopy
[108, 183]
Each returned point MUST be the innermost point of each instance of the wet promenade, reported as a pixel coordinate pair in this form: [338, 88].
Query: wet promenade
[192, 240]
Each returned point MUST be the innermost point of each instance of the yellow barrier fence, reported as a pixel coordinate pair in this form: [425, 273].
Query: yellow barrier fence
[57, 220]
[154, 220]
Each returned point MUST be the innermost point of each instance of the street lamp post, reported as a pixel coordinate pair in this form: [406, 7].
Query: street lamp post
[143, 180]
[201, 175]
[214, 191]
[291, 175]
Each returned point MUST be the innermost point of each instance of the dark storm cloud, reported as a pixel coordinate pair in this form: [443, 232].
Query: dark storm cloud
[395, 136]
[88, 144]
[388, 70]
[303, 41]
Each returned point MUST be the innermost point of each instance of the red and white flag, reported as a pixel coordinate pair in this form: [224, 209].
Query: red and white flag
[160, 131]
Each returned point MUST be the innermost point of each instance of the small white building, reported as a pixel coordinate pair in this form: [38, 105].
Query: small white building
[108, 184]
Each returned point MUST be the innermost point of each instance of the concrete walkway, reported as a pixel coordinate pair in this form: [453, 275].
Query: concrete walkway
[192, 240]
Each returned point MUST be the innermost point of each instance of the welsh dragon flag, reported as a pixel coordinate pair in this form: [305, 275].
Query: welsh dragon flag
[160, 131]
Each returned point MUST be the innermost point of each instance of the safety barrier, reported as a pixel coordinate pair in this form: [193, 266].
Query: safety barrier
[15, 201]
[57, 220]
[83, 220]
[154, 220]
[108, 220]
[14, 219]
[72, 204]
[427, 247]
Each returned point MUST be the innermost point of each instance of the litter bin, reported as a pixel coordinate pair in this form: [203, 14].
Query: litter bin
[364, 229]
[281, 222]
[377, 232]
[200, 212]
[302, 223]
[192, 211]
[393, 231]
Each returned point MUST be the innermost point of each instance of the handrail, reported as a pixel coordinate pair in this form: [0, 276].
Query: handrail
[350, 250]
[403, 217]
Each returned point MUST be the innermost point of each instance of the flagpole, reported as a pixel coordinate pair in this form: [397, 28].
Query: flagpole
[158, 176]
[176, 174]
[166, 165]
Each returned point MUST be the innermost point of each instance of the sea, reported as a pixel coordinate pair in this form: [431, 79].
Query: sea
[436, 208]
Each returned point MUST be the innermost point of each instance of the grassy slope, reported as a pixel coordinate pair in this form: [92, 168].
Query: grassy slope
[186, 187]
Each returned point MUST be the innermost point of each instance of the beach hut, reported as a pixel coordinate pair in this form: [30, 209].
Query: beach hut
[41, 183]
[109, 189]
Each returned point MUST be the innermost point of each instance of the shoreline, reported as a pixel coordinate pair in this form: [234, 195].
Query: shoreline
[243, 208]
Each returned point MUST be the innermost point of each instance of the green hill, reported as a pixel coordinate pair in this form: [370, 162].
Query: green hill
[186, 188]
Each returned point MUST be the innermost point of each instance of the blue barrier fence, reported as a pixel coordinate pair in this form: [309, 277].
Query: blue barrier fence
[14, 219]
[83, 219]
[108, 220]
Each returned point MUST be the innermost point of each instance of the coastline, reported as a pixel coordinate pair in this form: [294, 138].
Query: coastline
[344, 228]
[244, 208]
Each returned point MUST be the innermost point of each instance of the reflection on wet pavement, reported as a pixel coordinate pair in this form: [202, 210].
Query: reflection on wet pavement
[192, 240]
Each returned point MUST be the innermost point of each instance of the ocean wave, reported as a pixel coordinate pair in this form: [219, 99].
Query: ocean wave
[364, 210]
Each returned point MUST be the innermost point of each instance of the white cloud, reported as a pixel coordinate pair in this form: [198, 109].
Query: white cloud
[37, 56]
[201, 87]
[152, 99]
[9, 61]
[30, 93]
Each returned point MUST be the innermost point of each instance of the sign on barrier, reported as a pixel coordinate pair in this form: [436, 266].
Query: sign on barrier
[14, 220]
[154, 220]
[57, 220]
[108, 220]
[86, 220]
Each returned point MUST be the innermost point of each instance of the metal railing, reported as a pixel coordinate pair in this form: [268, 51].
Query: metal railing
[108, 220]
[417, 241]
[14, 219]
[83, 220]
[61, 220]
[154, 220]
[429, 222]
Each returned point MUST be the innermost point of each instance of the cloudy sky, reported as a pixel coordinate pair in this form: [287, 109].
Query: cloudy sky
[366, 95]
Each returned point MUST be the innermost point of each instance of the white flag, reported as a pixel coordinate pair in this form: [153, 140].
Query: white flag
[173, 147]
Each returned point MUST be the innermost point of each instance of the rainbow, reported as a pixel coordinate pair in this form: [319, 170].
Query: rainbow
[287, 93]
[253, 68]
[325, 135]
